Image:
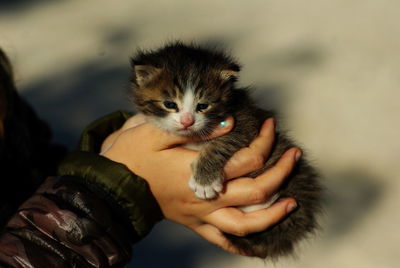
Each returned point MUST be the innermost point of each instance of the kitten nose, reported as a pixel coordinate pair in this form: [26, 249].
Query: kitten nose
[187, 119]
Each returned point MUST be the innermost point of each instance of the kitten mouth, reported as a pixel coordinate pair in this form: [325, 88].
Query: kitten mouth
[185, 130]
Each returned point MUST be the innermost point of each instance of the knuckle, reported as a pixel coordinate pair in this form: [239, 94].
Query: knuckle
[257, 161]
[257, 195]
[277, 215]
[240, 230]
[284, 167]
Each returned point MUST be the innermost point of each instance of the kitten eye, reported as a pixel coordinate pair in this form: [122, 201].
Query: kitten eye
[170, 105]
[202, 106]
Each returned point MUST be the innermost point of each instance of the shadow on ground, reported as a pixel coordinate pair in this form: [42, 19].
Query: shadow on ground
[17, 5]
[170, 245]
[71, 101]
[351, 195]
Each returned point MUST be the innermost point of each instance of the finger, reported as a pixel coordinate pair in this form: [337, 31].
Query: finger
[253, 157]
[167, 140]
[216, 237]
[134, 121]
[108, 142]
[263, 143]
[233, 221]
[223, 128]
[249, 191]
[273, 178]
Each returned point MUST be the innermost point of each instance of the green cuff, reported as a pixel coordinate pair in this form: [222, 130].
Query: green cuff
[129, 191]
[94, 134]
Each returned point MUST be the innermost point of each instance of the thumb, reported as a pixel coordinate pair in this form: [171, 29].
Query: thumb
[223, 128]
[167, 140]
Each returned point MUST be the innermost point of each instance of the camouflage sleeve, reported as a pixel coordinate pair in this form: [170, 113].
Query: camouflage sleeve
[66, 224]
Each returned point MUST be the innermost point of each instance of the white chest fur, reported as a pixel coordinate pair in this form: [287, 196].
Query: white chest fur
[196, 146]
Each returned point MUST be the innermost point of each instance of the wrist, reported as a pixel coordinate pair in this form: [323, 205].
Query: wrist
[124, 188]
[109, 173]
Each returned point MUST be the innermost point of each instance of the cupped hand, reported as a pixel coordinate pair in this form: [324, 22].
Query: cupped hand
[156, 156]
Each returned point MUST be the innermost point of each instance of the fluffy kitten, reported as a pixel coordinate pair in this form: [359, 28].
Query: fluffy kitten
[189, 90]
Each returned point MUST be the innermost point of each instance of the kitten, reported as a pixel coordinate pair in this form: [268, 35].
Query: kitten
[189, 90]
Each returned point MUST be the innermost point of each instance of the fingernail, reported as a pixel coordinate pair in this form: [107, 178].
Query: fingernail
[270, 122]
[297, 155]
[292, 206]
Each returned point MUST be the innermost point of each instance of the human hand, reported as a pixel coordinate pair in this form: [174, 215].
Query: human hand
[156, 156]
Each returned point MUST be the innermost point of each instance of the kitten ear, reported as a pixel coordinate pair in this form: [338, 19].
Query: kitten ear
[144, 73]
[229, 75]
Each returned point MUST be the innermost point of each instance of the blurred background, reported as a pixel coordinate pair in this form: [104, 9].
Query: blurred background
[331, 68]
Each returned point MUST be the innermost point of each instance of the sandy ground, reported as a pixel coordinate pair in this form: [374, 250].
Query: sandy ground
[331, 68]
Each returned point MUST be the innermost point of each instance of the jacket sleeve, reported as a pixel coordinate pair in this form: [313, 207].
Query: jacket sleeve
[88, 216]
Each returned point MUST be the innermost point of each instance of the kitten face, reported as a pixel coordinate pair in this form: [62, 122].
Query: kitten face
[186, 115]
[183, 89]
[182, 105]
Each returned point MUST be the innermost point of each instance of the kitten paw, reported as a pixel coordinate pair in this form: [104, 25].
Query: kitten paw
[205, 191]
